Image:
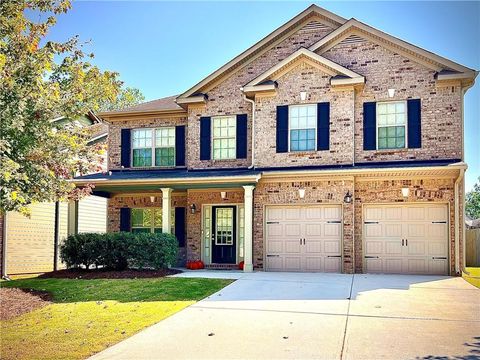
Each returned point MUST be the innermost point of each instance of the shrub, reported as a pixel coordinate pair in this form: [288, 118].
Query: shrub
[119, 250]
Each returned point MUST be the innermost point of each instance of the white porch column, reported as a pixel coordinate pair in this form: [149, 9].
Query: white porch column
[166, 210]
[248, 242]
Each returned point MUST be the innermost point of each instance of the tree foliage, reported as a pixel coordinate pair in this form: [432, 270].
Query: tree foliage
[126, 98]
[39, 81]
[472, 206]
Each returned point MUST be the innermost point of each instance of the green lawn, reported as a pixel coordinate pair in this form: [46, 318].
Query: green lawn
[89, 315]
[473, 276]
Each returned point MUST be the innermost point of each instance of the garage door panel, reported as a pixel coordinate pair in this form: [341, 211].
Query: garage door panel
[333, 230]
[319, 228]
[424, 227]
[292, 246]
[293, 230]
[393, 247]
[333, 264]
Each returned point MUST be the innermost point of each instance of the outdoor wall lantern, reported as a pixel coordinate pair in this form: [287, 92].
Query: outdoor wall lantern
[152, 199]
[391, 93]
[303, 95]
[405, 192]
[223, 194]
[301, 193]
[348, 197]
[193, 208]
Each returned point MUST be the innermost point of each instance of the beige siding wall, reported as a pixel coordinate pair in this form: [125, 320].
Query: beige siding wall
[92, 214]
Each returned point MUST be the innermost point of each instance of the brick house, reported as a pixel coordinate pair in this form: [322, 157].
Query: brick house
[327, 146]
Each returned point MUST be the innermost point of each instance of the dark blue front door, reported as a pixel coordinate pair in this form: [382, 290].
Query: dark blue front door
[224, 248]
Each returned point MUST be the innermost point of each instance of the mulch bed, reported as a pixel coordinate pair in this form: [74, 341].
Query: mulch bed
[15, 302]
[108, 274]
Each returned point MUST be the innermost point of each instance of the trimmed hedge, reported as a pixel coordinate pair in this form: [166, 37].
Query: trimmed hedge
[120, 250]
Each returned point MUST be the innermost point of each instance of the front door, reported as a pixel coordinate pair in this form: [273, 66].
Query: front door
[224, 247]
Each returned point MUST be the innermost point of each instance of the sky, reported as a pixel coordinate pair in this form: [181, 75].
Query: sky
[164, 48]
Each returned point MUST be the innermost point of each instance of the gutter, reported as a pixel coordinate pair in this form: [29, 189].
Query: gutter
[253, 127]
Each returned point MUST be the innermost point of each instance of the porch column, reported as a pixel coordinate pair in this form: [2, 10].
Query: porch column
[166, 210]
[248, 204]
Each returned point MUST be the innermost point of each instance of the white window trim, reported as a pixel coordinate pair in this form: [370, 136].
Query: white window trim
[213, 137]
[290, 128]
[154, 143]
[405, 125]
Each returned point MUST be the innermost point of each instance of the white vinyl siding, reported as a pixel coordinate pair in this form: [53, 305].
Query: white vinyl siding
[224, 137]
[92, 214]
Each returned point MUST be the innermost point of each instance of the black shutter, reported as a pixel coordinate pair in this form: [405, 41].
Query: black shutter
[125, 148]
[180, 145]
[323, 126]
[282, 128]
[242, 136]
[414, 123]
[180, 225]
[125, 219]
[205, 138]
[369, 126]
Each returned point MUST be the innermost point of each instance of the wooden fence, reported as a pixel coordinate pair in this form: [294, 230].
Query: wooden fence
[472, 247]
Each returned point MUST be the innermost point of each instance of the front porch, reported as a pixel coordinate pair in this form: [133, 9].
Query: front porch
[210, 216]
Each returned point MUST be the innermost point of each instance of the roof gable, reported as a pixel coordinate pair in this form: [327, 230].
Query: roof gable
[329, 67]
[296, 23]
[415, 53]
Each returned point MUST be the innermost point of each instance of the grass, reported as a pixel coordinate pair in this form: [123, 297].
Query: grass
[89, 315]
[473, 276]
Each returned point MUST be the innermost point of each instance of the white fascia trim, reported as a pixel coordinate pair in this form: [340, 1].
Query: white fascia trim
[309, 54]
[258, 88]
[459, 76]
[352, 81]
[192, 100]
[401, 43]
[311, 9]
[163, 181]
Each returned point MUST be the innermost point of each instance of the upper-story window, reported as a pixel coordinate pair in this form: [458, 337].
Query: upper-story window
[224, 137]
[153, 147]
[303, 127]
[391, 125]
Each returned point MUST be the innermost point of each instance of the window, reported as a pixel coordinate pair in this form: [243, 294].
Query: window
[149, 220]
[165, 147]
[391, 125]
[153, 146]
[303, 127]
[224, 137]
[142, 147]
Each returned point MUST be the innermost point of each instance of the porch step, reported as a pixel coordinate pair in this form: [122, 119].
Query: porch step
[221, 266]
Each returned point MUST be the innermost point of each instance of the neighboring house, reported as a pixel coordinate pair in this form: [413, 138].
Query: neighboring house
[30, 244]
[327, 146]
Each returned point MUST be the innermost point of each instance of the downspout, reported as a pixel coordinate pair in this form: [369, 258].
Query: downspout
[55, 236]
[253, 127]
[457, 221]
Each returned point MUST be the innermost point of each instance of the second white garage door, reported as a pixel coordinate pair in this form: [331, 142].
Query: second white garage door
[406, 239]
[303, 238]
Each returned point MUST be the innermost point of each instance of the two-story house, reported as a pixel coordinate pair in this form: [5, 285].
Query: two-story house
[327, 146]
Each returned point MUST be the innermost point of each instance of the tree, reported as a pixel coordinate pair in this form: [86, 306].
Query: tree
[127, 97]
[472, 206]
[39, 81]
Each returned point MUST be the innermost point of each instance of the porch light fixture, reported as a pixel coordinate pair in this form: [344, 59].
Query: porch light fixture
[152, 199]
[193, 208]
[348, 197]
[405, 192]
[301, 193]
[303, 95]
[391, 93]
[223, 194]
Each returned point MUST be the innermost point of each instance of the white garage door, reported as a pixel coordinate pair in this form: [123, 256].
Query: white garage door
[406, 239]
[303, 238]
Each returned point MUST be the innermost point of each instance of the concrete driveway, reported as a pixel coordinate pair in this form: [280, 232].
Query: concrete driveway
[319, 316]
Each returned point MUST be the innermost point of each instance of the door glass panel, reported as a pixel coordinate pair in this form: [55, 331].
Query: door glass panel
[224, 226]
